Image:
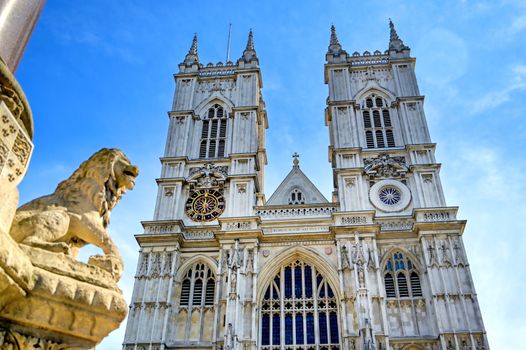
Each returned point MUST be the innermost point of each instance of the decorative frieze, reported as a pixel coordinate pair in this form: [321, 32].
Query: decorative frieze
[198, 235]
[296, 229]
[436, 214]
[280, 213]
[160, 228]
[396, 225]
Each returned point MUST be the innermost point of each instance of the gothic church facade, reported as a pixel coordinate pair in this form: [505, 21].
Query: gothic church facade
[381, 265]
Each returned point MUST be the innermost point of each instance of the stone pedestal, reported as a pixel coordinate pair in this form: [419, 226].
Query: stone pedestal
[52, 301]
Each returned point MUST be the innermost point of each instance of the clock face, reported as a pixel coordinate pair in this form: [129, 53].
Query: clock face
[205, 205]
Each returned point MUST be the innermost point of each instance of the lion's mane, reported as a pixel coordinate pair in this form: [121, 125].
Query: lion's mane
[95, 179]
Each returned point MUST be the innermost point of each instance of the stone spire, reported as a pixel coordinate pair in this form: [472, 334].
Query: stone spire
[250, 42]
[334, 38]
[192, 56]
[335, 51]
[249, 54]
[396, 45]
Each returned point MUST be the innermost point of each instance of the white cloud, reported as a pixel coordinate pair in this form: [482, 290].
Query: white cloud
[496, 98]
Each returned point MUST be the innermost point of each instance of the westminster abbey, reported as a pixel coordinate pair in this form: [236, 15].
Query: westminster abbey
[381, 265]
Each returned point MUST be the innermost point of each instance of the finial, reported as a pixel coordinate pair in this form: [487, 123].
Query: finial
[296, 162]
[193, 48]
[335, 48]
[393, 35]
[249, 55]
[395, 43]
[334, 38]
[250, 42]
[192, 57]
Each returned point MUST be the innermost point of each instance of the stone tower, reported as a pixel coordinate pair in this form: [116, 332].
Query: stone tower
[413, 277]
[381, 266]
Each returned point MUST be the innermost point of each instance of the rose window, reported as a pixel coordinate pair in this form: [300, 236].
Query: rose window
[390, 195]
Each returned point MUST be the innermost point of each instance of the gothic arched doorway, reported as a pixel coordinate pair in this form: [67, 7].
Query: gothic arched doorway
[299, 310]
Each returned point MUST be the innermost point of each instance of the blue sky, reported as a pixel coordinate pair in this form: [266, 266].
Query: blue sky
[99, 74]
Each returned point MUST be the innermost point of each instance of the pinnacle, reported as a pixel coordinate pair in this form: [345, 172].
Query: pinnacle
[193, 48]
[334, 37]
[250, 42]
[250, 53]
[192, 56]
[393, 35]
[395, 43]
[334, 44]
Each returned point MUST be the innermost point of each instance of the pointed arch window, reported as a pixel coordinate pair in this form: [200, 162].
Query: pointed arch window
[193, 315]
[198, 286]
[377, 123]
[299, 310]
[401, 279]
[213, 133]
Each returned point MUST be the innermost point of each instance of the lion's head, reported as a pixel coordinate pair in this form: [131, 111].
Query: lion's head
[103, 178]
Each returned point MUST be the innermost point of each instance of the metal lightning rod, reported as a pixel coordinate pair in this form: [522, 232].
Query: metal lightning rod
[228, 44]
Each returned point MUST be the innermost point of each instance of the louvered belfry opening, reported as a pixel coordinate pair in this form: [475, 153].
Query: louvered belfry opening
[401, 279]
[213, 133]
[198, 287]
[377, 123]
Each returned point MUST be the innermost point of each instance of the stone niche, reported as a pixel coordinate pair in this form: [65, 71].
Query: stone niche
[48, 299]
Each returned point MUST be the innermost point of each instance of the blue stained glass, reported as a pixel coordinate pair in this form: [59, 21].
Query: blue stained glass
[267, 293]
[276, 280]
[409, 265]
[265, 330]
[300, 337]
[330, 294]
[333, 318]
[275, 330]
[318, 280]
[288, 329]
[322, 321]
[288, 282]
[389, 265]
[308, 282]
[402, 265]
[310, 329]
[297, 282]
[397, 265]
[275, 294]
[322, 291]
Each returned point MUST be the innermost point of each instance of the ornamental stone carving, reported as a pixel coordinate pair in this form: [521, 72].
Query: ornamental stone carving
[207, 176]
[78, 304]
[78, 212]
[385, 167]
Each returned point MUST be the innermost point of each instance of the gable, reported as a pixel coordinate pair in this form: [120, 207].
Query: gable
[296, 188]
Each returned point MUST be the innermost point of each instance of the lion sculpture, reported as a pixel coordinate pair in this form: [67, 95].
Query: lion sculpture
[78, 212]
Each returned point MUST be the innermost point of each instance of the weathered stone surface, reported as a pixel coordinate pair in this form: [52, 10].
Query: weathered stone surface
[48, 299]
[78, 212]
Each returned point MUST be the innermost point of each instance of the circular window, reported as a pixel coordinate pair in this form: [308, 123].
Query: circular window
[390, 195]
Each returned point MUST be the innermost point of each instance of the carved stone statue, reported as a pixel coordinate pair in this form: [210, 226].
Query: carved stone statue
[78, 212]
[345, 257]
[50, 300]
[229, 337]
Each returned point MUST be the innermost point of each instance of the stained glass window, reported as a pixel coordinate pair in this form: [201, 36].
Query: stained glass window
[297, 314]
